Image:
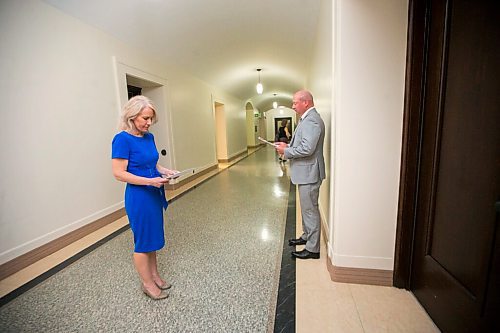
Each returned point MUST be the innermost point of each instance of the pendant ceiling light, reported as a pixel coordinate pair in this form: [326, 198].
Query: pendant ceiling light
[259, 87]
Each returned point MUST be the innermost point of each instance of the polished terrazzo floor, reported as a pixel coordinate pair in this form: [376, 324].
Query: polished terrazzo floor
[223, 256]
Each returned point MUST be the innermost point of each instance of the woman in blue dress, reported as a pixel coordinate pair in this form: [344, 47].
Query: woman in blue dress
[135, 161]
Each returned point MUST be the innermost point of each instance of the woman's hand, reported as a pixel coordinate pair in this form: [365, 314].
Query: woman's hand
[164, 171]
[157, 181]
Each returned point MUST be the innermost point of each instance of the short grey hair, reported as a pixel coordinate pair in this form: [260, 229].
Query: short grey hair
[305, 96]
[131, 110]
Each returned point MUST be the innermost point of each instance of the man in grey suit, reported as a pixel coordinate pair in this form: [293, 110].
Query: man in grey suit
[307, 166]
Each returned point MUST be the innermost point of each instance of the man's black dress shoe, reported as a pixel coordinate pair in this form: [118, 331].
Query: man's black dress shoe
[304, 254]
[298, 241]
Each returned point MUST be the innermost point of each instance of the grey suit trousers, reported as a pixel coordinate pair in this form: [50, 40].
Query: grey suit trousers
[311, 220]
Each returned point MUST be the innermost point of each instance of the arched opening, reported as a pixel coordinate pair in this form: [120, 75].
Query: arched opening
[252, 125]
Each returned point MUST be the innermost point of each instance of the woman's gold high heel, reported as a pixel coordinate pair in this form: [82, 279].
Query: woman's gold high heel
[161, 295]
[165, 286]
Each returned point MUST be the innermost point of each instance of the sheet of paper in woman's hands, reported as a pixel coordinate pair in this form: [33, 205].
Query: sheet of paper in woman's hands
[265, 141]
[180, 173]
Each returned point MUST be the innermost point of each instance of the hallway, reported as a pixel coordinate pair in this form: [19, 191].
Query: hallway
[224, 239]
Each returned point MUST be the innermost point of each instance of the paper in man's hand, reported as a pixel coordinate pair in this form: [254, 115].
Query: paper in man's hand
[265, 141]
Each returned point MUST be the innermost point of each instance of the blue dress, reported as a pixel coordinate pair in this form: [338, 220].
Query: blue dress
[144, 203]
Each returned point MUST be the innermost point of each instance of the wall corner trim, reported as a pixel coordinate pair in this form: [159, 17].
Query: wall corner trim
[376, 277]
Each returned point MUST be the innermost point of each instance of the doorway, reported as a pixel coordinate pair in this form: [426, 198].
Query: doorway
[277, 125]
[132, 81]
[133, 90]
[448, 235]
[220, 132]
[252, 125]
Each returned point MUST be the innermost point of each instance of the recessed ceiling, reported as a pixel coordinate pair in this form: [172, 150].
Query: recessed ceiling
[222, 42]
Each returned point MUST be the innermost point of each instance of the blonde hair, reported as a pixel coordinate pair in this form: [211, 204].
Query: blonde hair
[131, 110]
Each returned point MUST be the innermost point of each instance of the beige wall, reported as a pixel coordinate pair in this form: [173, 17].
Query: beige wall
[60, 103]
[369, 66]
[320, 84]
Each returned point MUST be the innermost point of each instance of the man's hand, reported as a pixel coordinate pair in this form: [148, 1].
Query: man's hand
[280, 147]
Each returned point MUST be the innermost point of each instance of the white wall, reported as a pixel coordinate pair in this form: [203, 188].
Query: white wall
[369, 66]
[60, 107]
[320, 85]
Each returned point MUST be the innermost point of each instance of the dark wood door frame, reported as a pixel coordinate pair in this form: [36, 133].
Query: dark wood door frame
[412, 123]
[447, 240]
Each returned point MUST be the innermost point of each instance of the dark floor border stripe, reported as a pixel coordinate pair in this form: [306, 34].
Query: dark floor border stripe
[284, 321]
[44, 276]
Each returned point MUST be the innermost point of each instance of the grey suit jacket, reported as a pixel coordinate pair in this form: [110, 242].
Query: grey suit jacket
[307, 164]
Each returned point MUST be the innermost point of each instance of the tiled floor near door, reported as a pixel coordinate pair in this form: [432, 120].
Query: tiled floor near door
[327, 306]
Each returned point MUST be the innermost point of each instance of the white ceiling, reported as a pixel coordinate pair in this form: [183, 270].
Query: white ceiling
[222, 42]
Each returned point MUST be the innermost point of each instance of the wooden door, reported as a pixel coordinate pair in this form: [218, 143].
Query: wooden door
[454, 263]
